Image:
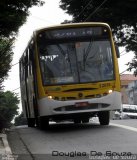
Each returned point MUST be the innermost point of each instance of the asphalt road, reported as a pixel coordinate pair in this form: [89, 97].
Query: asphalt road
[76, 141]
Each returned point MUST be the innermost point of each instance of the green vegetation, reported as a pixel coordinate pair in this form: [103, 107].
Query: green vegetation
[5, 58]
[8, 108]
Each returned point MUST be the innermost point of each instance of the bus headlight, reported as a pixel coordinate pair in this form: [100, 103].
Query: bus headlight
[110, 91]
[50, 97]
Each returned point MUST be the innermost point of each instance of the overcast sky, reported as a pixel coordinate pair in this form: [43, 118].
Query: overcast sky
[49, 14]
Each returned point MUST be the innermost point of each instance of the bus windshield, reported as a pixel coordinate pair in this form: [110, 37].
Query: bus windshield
[76, 60]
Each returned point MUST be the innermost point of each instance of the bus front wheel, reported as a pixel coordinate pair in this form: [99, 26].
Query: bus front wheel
[76, 121]
[104, 117]
[85, 120]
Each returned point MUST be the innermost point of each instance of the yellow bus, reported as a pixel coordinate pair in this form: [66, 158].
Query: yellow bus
[70, 72]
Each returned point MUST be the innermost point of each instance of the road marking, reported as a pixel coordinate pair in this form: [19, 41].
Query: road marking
[125, 127]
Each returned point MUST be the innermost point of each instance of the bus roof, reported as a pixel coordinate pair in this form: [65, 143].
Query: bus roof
[73, 25]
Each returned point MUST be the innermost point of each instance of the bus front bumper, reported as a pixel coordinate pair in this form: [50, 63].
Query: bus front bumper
[49, 107]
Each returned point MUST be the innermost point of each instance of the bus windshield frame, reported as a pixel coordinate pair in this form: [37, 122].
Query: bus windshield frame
[75, 55]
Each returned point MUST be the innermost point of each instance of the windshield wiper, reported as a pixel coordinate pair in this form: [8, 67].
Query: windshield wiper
[64, 54]
[86, 53]
[60, 49]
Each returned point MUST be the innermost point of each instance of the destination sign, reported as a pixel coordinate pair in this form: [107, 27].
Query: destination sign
[72, 33]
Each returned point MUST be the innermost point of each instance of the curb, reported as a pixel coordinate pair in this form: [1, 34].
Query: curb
[5, 150]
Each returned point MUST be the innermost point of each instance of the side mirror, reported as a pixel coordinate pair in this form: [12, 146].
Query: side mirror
[117, 51]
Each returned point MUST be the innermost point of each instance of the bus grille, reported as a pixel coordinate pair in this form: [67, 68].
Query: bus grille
[84, 97]
[74, 108]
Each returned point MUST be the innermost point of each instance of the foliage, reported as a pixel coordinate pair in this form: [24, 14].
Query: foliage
[13, 14]
[121, 16]
[5, 58]
[20, 120]
[8, 108]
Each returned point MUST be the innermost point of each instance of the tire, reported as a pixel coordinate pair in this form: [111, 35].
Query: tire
[76, 121]
[43, 123]
[104, 117]
[31, 122]
[85, 120]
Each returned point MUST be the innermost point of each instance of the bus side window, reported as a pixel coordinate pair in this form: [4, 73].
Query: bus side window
[21, 69]
[31, 58]
[26, 64]
[30, 61]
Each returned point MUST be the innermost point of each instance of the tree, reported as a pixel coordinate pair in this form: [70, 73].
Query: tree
[121, 16]
[5, 58]
[8, 108]
[13, 14]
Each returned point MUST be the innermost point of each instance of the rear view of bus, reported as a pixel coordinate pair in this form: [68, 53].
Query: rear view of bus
[75, 73]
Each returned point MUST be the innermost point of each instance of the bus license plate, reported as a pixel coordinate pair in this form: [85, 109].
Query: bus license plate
[81, 104]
